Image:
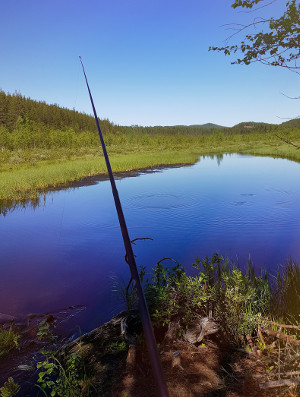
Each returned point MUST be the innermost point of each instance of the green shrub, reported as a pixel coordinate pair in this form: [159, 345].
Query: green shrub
[237, 300]
[10, 388]
[57, 378]
[8, 340]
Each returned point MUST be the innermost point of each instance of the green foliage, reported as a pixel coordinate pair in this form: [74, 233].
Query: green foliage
[237, 299]
[245, 3]
[14, 105]
[8, 340]
[170, 293]
[277, 41]
[117, 347]
[45, 332]
[27, 124]
[10, 388]
[5, 138]
[56, 378]
[59, 375]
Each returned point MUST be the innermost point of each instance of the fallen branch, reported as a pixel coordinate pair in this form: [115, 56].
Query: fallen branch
[284, 325]
[260, 335]
[251, 344]
[279, 383]
[280, 335]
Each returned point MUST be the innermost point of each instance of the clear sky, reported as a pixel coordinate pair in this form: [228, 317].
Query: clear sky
[147, 61]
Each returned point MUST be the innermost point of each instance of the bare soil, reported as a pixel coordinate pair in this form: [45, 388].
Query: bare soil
[113, 369]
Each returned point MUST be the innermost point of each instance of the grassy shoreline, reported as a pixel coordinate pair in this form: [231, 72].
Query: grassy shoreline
[28, 173]
[29, 182]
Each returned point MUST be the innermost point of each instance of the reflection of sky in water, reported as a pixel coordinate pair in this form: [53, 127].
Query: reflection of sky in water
[68, 251]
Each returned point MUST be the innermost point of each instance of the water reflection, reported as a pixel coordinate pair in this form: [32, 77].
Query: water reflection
[66, 249]
[218, 157]
[7, 206]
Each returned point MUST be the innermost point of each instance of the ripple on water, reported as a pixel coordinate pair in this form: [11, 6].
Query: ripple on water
[238, 203]
[284, 203]
[161, 201]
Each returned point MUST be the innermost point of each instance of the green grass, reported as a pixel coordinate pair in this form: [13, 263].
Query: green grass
[28, 182]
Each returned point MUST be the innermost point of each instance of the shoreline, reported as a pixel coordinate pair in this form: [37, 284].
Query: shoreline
[221, 317]
[26, 181]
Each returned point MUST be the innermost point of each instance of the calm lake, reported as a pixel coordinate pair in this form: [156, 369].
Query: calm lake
[68, 251]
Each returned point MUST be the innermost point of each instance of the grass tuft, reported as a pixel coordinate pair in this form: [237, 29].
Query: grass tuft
[8, 340]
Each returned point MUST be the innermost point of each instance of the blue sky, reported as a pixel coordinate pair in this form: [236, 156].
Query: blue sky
[147, 61]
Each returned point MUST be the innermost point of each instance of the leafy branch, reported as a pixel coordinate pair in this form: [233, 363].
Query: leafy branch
[276, 44]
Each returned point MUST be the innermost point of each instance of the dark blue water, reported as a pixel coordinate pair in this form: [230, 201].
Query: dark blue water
[69, 250]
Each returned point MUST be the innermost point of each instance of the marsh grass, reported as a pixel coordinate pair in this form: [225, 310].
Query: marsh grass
[28, 182]
[24, 174]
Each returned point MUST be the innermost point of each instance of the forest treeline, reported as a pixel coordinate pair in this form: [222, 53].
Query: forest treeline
[26, 123]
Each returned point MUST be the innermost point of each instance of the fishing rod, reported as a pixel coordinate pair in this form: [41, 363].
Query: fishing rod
[145, 317]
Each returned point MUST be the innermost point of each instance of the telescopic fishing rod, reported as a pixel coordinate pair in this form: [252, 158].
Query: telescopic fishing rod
[145, 317]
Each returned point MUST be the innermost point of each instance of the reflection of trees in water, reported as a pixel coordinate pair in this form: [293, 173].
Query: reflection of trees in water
[7, 206]
[219, 157]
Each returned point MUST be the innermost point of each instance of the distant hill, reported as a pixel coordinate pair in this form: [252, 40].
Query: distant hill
[294, 123]
[251, 126]
[207, 125]
[202, 126]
